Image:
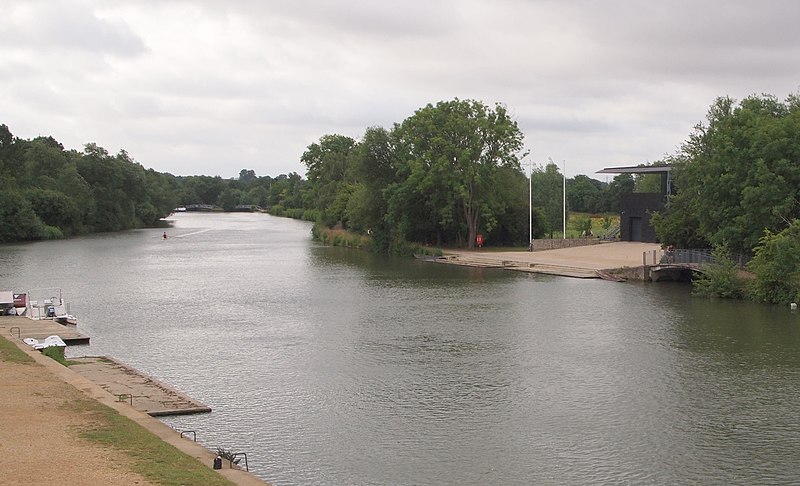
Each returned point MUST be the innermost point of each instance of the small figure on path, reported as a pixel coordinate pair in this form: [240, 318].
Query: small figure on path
[165, 235]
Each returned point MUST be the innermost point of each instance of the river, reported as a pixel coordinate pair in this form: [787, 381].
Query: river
[337, 367]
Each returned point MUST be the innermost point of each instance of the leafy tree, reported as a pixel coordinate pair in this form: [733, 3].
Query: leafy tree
[776, 265]
[647, 183]
[229, 199]
[510, 223]
[548, 186]
[585, 195]
[55, 208]
[201, 189]
[448, 158]
[721, 278]
[329, 170]
[19, 219]
[739, 174]
[621, 184]
[375, 169]
[246, 176]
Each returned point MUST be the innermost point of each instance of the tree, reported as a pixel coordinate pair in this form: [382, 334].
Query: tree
[329, 171]
[585, 195]
[548, 195]
[448, 158]
[374, 168]
[247, 176]
[19, 219]
[739, 174]
[776, 265]
[621, 184]
[229, 199]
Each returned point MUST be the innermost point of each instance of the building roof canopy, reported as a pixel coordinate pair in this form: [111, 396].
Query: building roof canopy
[649, 169]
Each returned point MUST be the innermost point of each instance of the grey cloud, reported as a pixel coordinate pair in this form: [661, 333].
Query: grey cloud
[212, 87]
[63, 26]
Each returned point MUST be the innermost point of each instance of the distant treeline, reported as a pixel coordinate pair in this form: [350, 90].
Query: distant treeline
[47, 192]
[369, 186]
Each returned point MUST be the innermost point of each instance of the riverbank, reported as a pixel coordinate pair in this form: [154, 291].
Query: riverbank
[49, 412]
[593, 261]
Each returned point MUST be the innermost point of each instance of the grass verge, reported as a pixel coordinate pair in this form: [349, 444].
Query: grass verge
[10, 353]
[151, 457]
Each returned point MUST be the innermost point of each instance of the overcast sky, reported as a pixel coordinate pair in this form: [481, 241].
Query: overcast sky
[211, 87]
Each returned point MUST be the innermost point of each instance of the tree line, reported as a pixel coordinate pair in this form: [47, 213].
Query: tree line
[448, 172]
[738, 190]
[47, 192]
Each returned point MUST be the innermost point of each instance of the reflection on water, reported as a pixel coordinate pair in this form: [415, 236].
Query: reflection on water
[330, 366]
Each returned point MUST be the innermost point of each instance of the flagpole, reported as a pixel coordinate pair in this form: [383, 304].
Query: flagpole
[564, 192]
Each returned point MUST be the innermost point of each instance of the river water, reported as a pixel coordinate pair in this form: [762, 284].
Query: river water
[337, 367]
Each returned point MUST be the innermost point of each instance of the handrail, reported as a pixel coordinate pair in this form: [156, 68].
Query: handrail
[247, 468]
[121, 397]
[189, 432]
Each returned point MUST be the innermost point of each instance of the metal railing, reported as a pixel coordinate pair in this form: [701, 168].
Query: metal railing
[194, 434]
[693, 256]
[612, 233]
[246, 466]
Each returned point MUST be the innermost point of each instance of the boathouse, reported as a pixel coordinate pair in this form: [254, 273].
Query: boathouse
[636, 207]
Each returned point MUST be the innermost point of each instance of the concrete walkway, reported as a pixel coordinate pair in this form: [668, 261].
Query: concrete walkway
[580, 261]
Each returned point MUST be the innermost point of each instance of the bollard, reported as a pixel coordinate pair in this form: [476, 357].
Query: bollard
[217, 462]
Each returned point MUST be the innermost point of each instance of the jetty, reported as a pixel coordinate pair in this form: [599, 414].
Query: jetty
[39, 329]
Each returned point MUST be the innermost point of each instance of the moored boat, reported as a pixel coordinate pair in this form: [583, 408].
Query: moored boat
[66, 319]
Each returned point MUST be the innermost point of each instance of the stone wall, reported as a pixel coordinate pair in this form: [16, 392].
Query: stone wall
[555, 244]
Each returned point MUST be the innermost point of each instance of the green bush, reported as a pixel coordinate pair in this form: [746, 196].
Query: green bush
[311, 215]
[294, 213]
[776, 265]
[720, 279]
[56, 353]
[277, 210]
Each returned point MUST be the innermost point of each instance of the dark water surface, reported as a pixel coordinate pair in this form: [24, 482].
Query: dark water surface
[336, 367]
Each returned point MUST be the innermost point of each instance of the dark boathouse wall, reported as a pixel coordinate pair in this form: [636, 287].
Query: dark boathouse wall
[634, 221]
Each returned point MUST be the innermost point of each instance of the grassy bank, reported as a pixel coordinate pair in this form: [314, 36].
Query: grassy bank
[159, 462]
[152, 458]
[10, 353]
[343, 238]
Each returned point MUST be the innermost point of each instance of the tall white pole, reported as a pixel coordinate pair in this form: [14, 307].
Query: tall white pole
[530, 206]
[564, 192]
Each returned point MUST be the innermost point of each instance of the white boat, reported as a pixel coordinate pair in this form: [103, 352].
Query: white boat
[52, 306]
[49, 341]
[66, 319]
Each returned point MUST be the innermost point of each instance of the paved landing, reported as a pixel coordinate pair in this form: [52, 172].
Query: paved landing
[22, 327]
[142, 392]
[579, 261]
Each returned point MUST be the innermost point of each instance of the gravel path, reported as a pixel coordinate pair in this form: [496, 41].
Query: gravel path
[39, 441]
